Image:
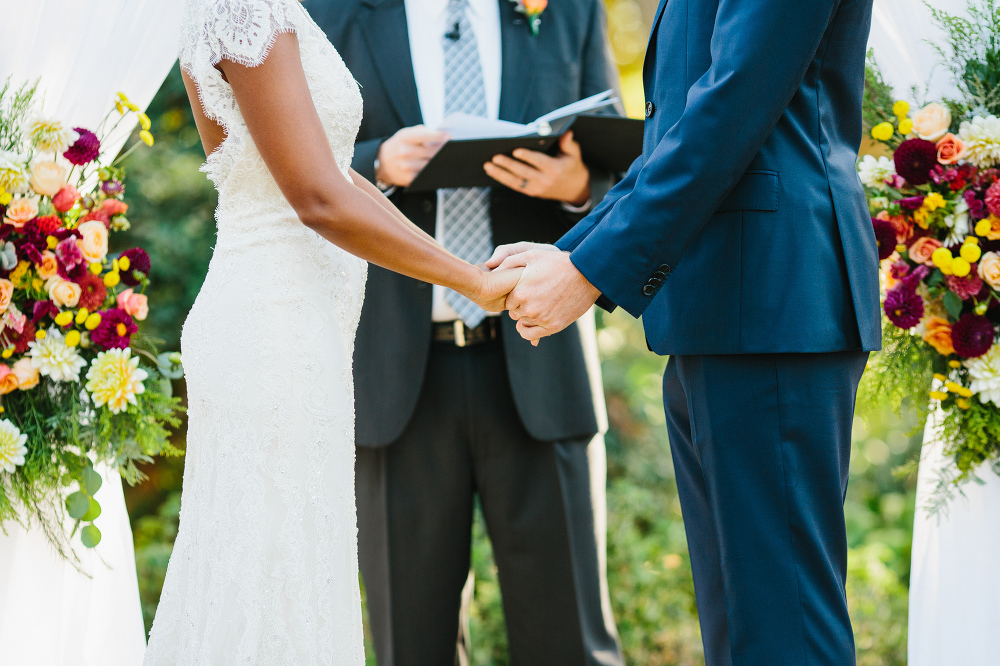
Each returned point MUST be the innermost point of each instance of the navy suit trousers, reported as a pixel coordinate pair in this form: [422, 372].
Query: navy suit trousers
[761, 448]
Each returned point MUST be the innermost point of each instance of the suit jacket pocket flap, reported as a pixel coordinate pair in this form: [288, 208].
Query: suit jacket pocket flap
[757, 190]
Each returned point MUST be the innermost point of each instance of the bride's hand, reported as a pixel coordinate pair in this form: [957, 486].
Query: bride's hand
[491, 293]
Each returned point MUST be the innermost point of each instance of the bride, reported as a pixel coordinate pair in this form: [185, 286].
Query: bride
[264, 569]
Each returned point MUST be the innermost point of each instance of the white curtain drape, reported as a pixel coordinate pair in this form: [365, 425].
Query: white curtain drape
[83, 52]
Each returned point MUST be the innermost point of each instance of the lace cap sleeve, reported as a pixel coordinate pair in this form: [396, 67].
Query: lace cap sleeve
[242, 31]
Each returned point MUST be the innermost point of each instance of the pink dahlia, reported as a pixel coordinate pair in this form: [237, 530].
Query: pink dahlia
[68, 253]
[914, 160]
[965, 287]
[885, 238]
[972, 335]
[115, 330]
[85, 150]
[138, 263]
[903, 307]
[993, 198]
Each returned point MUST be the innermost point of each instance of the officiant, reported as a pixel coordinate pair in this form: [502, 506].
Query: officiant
[451, 403]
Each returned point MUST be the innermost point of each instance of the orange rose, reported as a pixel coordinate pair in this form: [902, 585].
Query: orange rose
[136, 305]
[994, 232]
[8, 380]
[27, 375]
[114, 207]
[6, 291]
[94, 243]
[535, 6]
[937, 333]
[950, 149]
[65, 198]
[20, 211]
[902, 226]
[989, 269]
[49, 267]
[923, 248]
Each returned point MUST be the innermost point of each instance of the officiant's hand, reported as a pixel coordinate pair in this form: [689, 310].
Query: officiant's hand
[402, 156]
[551, 293]
[561, 177]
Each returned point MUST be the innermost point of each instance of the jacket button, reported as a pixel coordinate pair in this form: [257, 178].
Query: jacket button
[650, 109]
[649, 290]
[428, 206]
[659, 274]
[655, 281]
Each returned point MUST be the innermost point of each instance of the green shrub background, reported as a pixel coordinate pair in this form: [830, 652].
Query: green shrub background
[172, 208]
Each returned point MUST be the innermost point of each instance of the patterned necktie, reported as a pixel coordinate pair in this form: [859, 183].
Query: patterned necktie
[465, 211]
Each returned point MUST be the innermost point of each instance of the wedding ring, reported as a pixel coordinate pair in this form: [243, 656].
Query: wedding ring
[524, 183]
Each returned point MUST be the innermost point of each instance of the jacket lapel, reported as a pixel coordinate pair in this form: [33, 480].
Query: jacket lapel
[517, 78]
[650, 46]
[384, 29]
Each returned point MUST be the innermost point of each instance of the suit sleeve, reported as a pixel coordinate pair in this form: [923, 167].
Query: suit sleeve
[760, 50]
[365, 153]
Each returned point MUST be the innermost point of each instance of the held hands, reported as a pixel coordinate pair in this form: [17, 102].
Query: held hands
[563, 177]
[551, 293]
[402, 156]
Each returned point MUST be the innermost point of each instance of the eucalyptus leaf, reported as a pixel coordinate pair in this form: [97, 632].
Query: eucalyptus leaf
[93, 512]
[953, 304]
[169, 365]
[90, 536]
[77, 505]
[92, 480]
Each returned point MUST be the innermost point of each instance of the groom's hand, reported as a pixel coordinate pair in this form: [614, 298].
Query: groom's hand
[561, 177]
[551, 293]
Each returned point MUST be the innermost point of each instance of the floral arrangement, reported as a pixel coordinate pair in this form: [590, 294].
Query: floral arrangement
[532, 9]
[79, 384]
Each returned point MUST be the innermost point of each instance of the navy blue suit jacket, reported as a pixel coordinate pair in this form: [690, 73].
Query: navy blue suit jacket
[743, 226]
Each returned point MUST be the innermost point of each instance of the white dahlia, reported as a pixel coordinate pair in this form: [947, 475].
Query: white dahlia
[13, 173]
[873, 172]
[985, 374]
[982, 139]
[50, 135]
[53, 358]
[12, 446]
[114, 379]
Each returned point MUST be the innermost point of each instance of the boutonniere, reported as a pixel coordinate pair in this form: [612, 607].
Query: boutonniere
[532, 9]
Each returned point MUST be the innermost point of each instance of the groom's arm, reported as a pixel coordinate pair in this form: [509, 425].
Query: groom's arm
[760, 52]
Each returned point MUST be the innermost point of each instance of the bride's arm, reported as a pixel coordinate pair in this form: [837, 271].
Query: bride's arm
[277, 107]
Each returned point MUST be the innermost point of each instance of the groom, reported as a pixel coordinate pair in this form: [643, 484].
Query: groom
[742, 238]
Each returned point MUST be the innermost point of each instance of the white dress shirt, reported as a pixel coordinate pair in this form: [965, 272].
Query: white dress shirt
[426, 23]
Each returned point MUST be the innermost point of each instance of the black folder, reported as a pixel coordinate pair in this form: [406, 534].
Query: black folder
[609, 143]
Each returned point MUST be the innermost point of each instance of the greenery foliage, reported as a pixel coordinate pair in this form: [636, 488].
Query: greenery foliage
[972, 52]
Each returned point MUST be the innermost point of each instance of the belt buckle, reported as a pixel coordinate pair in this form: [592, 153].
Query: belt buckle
[459, 333]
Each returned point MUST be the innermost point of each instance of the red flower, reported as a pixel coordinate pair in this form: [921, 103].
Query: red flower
[972, 335]
[43, 226]
[914, 160]
[965, 287]
[114, 207]
[92, 292]
[138, 262]
[885, 238]
[97, 214]
[115, 330]
[993, 198]
[85, 150]
[20, 340]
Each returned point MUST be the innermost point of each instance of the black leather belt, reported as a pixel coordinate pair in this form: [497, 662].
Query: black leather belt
[460, 335]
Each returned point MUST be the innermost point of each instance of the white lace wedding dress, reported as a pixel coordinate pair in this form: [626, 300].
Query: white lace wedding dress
[264, 570]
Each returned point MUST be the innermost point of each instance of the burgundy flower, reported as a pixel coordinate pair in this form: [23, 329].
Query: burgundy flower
[43, 309]
[914, 160]
[33, 254]
[914, 278]
[972, 335]
[911, 203]
[903, 307]
[85, 150]
[895, 181]
[965, 287]
[885, 237]
[115, 330]
[68, 253]
[977, 209]
[138, 262]
[92, 292]
[899, 269]
[20, 341]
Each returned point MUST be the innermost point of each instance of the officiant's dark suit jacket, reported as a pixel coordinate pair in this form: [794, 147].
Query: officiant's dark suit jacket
[550, 383]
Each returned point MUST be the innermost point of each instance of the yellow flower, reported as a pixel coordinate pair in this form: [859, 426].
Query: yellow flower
[124, 263]
[963, 403]
[960, 267]
[18, 273]
[112, 279]
[92, 322]
[942, 257]
[941, 378]
[64, 318]
[939, 395]
[920, 217]
[883, 131]
[905, 126]
[933, 201]
[37, 284]
[115, 379]
[72, 338]
[901, 109]
[6, 198]
[51, 242]
[954, 364]
[144, 121]
[81, 316]
[971, 252]
[146, 137]
[122, 96]
[95, 268]
[40, 334]
[132, 107]
[983, 227]
[120, 107]
[7, 353]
